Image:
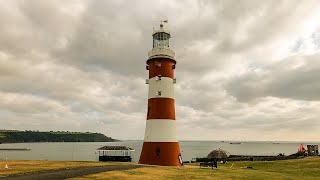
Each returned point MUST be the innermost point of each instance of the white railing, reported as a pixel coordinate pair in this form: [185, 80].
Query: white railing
[158, 52]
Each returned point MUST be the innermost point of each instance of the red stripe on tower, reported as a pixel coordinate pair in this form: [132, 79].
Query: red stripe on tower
[161, 145]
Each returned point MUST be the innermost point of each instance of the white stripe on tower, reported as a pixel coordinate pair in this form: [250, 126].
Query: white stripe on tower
[165, 86]
[160, 130]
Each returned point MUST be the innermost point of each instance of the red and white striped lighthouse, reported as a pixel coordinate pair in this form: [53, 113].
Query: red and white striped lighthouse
[161, 145]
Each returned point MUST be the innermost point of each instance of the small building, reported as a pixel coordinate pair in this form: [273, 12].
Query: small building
[313, 150]
[218, 154]
[115, 153]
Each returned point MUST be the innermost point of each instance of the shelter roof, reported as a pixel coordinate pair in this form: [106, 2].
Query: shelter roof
[115, 148]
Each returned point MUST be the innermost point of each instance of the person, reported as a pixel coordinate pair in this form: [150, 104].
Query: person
[212, 162]
[180, 159]
[215, 163]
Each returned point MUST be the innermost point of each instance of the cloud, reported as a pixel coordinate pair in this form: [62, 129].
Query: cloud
[295, 78]
[243, 67]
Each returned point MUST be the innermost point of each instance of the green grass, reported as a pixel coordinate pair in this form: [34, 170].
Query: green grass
[27, 166]
[307, 168]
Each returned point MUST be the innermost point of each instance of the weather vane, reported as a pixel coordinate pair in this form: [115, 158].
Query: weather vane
[164, 21]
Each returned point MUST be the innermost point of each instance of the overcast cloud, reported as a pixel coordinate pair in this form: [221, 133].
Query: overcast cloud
[247, 70]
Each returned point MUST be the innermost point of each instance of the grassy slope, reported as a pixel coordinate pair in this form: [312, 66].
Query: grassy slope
[308, 168]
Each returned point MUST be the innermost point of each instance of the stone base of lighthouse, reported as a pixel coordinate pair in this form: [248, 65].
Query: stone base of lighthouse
[160, 153]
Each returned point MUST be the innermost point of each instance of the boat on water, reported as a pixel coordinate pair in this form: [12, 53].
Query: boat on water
[236, 143]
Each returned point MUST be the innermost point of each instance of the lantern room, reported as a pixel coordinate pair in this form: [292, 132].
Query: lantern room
[161, 38]
[161, 45]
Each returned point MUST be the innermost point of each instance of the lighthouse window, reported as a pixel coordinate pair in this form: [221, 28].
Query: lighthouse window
[158, 93]
[158, 63]
[161, 40]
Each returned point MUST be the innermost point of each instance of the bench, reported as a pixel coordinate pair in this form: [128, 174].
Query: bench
[206, 164]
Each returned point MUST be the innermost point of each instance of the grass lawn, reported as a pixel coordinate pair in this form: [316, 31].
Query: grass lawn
[17, 167]
[307, 168]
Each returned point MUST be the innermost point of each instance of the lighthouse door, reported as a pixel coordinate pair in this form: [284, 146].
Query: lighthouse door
[158, 152]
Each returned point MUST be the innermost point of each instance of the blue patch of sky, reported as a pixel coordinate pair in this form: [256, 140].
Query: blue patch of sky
[316, 39]
[255, 66]
[297, 46]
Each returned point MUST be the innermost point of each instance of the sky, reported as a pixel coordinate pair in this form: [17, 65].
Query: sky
[246, 70]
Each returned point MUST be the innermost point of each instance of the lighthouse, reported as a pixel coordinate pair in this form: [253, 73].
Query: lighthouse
[161, 145]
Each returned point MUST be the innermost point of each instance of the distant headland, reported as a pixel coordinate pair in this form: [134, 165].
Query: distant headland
[16, 136]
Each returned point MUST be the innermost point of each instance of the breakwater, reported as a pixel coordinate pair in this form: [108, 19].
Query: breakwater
[246, 158]
[260, 158]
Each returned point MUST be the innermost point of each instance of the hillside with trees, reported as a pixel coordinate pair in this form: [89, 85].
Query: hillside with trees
[14, 136]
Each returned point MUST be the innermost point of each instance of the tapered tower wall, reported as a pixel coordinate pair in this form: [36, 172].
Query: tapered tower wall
[161, 145]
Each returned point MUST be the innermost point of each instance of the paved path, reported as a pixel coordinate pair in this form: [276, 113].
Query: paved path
[69, 173]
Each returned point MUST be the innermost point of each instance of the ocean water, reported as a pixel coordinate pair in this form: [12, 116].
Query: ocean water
[81, 151]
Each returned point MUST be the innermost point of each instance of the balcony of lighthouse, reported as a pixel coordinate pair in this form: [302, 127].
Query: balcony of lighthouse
[161, 52]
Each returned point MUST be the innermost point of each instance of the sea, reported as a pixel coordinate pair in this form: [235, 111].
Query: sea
[85, 151]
